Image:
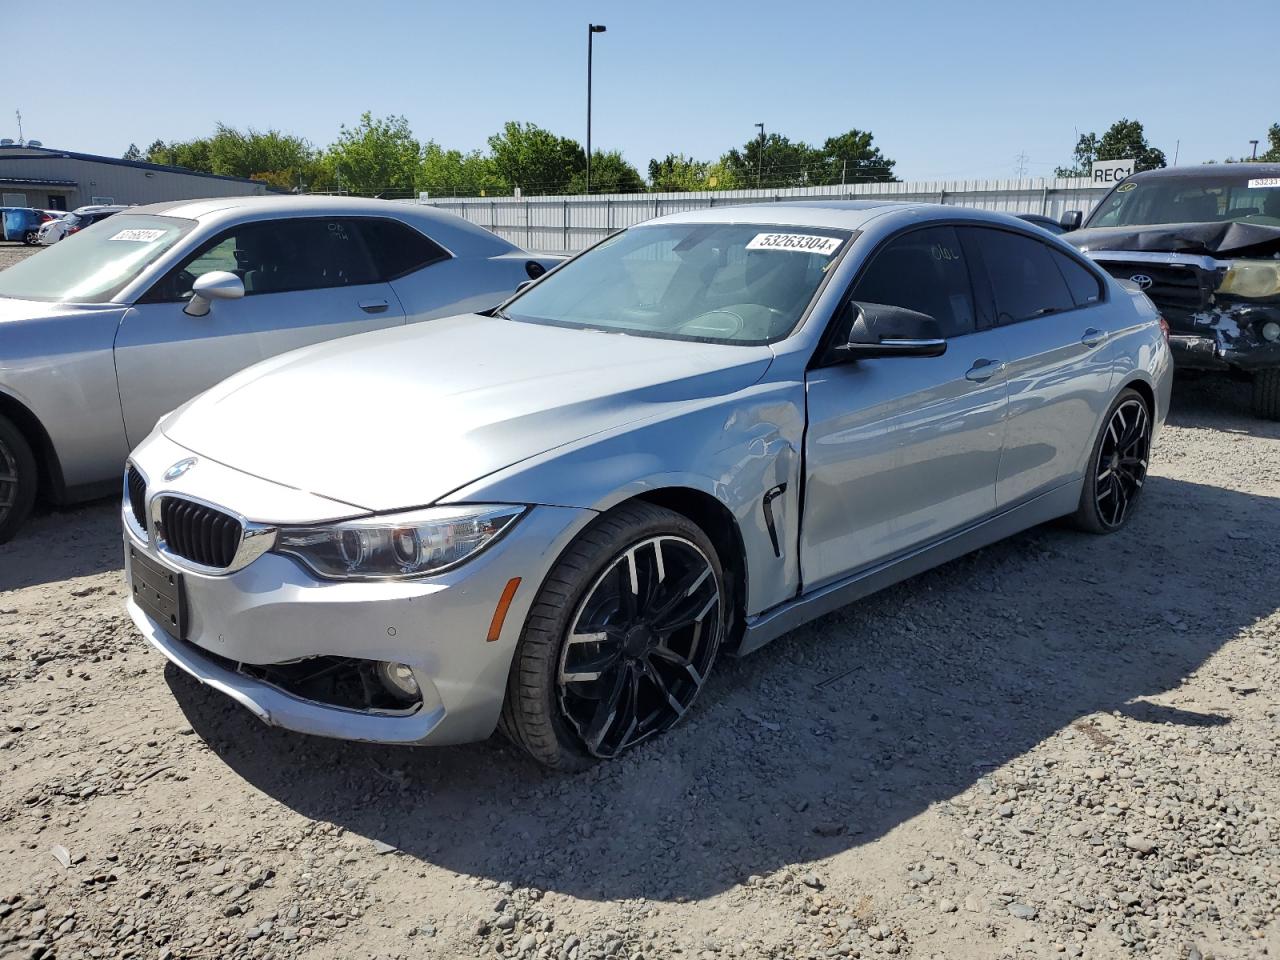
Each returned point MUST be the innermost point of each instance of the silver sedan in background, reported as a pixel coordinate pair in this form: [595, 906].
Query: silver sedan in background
[122, 322]
[703, 432]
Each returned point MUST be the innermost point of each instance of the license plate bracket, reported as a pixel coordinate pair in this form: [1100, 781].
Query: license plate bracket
[160, 592]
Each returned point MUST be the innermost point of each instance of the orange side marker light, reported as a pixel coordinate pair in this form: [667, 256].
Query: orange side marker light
[500, 611]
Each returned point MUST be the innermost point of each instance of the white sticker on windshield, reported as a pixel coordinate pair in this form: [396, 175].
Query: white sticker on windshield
[1264, 182]
[795, 242]
[138, 236]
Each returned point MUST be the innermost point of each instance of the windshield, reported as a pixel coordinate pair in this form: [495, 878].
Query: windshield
[1218, 197]
[93, 265]
[710, 282]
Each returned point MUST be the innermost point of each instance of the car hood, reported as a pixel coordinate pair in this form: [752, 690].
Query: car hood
[1235, 239]
[399, 418]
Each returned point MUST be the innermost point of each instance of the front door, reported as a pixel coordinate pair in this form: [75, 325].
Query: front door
[901, 451]
[306, 280]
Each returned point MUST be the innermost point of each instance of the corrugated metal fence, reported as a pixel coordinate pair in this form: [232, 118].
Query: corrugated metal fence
[571, 223]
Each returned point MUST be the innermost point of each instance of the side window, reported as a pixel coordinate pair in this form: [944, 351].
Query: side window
[1084, 286]
[924, 270]
[276, 256]
[397, 249]
[1024, 278]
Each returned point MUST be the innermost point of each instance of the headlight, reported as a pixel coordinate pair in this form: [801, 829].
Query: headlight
[397, 546]
[1252, 278]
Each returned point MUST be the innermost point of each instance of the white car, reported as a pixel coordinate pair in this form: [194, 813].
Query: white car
[123, 321]
[65, 224]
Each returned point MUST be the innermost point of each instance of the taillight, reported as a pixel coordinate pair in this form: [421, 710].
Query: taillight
[1164, 328]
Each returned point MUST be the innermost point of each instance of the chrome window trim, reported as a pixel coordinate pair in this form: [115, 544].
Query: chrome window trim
[255, 538]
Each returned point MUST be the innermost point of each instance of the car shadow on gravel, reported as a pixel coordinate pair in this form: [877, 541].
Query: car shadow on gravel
[830, 737]
[63, 544]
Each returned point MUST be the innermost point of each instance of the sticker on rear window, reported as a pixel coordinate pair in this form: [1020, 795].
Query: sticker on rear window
[1125, 187]
[1264, 182]
[795, 242]
[138, 236]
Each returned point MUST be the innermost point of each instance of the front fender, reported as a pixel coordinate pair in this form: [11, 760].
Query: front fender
[735, 448]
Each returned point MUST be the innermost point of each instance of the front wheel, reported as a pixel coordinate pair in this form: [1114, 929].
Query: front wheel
[1118, 468]
[18, 477]
[620, 639]
[1266, 394]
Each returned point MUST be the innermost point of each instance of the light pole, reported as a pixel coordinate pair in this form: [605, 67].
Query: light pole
[760, 158]
[592, 30]
[1255, 149]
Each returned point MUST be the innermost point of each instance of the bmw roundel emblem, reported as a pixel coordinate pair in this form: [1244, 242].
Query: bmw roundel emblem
[179, 468]
[1142, 280]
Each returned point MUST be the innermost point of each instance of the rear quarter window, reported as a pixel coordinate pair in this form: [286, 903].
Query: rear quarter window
[398, 249]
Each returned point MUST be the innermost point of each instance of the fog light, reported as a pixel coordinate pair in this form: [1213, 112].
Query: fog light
[1271, 331]
[398, 679]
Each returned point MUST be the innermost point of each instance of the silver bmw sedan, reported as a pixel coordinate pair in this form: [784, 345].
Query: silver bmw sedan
[554, 516]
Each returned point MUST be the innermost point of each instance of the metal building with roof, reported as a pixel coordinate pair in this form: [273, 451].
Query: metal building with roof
[37, 176]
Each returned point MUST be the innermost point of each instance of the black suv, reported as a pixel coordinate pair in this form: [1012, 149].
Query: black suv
[1204, 244]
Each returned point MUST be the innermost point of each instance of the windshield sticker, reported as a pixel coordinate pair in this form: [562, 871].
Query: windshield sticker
[1264, 182]
[138, 236]
[795, 242]
[1125, 187]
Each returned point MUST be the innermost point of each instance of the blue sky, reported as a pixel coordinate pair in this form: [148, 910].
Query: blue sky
[950, 90]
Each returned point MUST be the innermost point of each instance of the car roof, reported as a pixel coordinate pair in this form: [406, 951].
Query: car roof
[1201, 170]
[459, 236]
[838, 214]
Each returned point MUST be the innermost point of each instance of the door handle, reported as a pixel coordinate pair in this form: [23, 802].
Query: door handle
[1092, 337]
[374, 306]
[983, 370]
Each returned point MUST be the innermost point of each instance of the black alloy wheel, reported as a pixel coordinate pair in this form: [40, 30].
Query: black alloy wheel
[1122, 461]
[640, 645]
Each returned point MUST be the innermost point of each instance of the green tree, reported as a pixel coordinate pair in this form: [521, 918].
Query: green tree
[535, 160]
[609, 174]
[280, 159]
[1126, 138]
[851, 158]
[376, 157]
[677, 173]
[1272, 154]
[446, 173]
[778, 163]
[188, 154]
[1123, 140]
[1082, 158]
[133, 153]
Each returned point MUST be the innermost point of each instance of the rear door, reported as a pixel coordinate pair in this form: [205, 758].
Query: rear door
[306, 280]
[1050, 309]
[900, 451]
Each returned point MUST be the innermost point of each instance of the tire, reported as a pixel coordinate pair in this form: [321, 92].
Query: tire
[1117, 467]
[621, 581]
[30, 238]
[18, 480]
[1266, 394]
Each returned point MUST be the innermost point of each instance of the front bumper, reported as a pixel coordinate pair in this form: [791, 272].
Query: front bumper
[1223, 337]
[274, 611]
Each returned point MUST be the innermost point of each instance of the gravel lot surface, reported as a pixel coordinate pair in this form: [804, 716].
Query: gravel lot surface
[11, 253]
[1063, 745]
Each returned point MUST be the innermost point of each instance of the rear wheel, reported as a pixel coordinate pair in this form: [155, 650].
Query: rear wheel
[620, 639]
[1266, 394]
[1118, 468]
[30, 238]
[18, 477]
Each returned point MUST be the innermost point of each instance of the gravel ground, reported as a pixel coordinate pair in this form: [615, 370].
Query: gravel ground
[11, 253]
[1060, 746]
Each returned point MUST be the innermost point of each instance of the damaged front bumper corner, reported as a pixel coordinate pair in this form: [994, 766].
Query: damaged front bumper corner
[1227, 336]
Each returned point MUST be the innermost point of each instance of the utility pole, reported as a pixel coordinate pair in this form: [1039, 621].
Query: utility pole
[1021, 159]
[592, 30]
[22, 142]
[1255, 149]
[760, 159]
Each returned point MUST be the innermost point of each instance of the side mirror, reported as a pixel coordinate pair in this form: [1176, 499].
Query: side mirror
[218, 285]
[880, 330]
[1071, 220]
